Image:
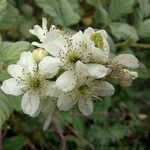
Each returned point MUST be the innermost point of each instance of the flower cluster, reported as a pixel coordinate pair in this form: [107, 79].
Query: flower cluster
[67, 69]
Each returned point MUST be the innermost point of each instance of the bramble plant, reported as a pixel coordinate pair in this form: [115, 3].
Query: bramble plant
[74, 74]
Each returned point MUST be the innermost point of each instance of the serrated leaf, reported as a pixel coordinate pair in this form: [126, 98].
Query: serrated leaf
[62, 11]
[123, 31]
[69, 16]
[25, 24]
[9, 19]
[145, 7]
[101, 15]
[7, 105]
[10, 51]
[144, 29]
[119, 8]
[3, 5]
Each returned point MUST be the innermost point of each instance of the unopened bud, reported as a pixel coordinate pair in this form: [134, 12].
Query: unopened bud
[39, 54]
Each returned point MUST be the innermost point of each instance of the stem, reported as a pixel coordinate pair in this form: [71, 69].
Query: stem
[122, 44]
[141, 45]
[1, 140]
[60, 132]
[136, 45]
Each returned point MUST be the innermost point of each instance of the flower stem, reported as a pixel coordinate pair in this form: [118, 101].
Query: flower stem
[141, 45]
[136, 45]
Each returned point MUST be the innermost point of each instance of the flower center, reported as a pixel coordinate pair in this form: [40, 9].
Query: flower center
[34, 82]
[84, 89]
[97, 39]
[73, 57]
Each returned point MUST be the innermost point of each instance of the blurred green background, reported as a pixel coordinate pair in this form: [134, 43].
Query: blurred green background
[118, 123]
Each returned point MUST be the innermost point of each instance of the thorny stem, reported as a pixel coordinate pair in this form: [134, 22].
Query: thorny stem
[59, 131]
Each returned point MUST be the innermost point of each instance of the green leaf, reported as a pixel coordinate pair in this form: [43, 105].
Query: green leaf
[25, 24]
[4, 75]
[9, 19]
[3, 5]
[68, 14]
[119, 8]
[145, 7]
[15, 143]
[93, 2]
[7, 105]
[79, 125]
[10, 52]
[101, 15]
[27, 10]
[62, 11]
[144, 29]
[123, 31]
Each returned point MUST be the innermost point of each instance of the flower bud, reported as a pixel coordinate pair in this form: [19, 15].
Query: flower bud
[128, 77]
[39, 54]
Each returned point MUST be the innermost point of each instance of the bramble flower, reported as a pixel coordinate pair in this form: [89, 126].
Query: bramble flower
[119, 68]
[66, 57]
[29, 79]
[46, 36]
[83, 94]
[96, 42]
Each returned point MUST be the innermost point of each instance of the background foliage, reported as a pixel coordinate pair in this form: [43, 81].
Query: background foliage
[120, 122]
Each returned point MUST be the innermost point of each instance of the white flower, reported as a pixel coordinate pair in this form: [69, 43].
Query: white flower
[85, 91]
[118, 66]
[46, 36]
[65, 56]
[96, 43]
[29, 79]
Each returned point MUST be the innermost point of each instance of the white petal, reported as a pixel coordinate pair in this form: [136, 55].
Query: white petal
[26, 60]
[127, 60]
[52, 90]
[44, 24]
[55, 46]
[89, 31]
[78, 37]
[66, 101]
[50, 66]
[103, 88]
[15, 71]
[30, 103]
[11, 87]
[67, 81]
[37, 44]
[103, 33]
[98, 55]
[85, 106]
[39, 32]
[81, 69]
[97, 71]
